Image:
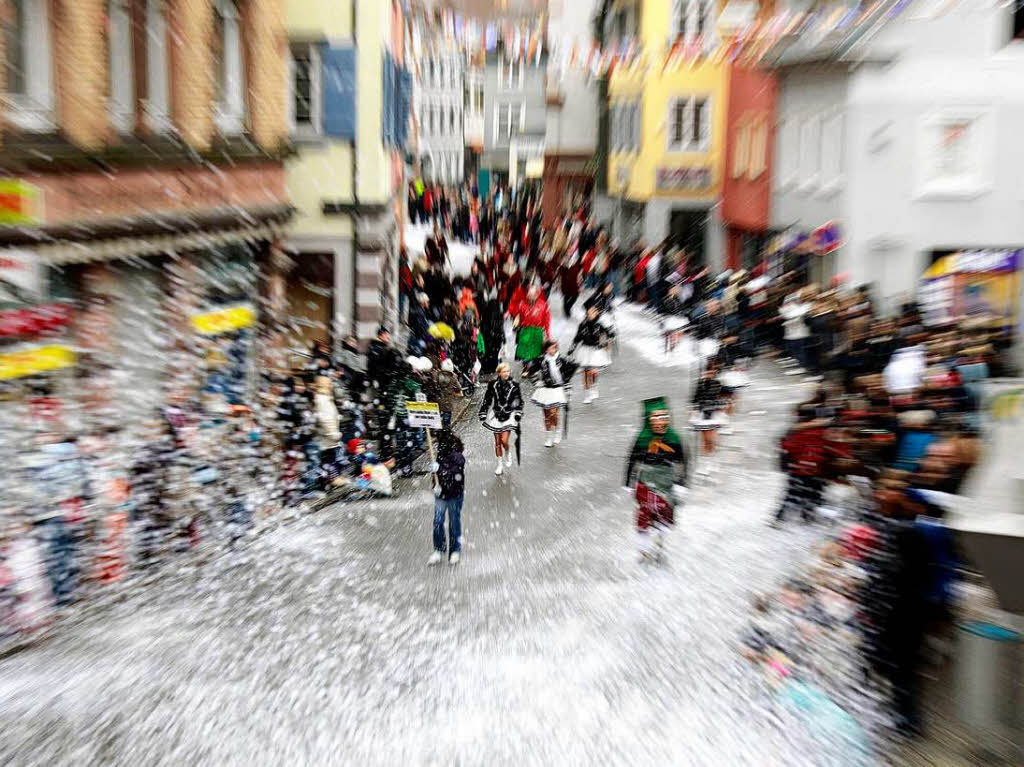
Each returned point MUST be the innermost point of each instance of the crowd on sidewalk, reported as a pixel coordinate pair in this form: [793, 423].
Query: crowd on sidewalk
[891, 430]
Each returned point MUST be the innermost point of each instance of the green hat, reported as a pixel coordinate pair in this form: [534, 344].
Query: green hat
[651, 406]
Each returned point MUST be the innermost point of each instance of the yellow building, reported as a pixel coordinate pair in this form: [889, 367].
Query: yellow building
[348, 102]
[666, 124]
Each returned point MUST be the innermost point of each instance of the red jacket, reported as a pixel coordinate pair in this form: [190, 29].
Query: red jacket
[808, 452]
[640, 270]
[535, 315]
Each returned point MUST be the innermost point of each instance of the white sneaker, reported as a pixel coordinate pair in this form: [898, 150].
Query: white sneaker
[499, 468]
[454, 558]
[548, 442]
[558, 437]
[508, 459]
[594, 394]
[435, 559]
[588, 398]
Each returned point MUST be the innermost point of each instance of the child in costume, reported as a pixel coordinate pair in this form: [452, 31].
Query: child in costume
[657, 469]
[552, 393]
[590, 348]
[501, 411]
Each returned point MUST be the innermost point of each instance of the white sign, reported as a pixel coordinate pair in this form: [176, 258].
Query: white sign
[21, 276]
[424, 415]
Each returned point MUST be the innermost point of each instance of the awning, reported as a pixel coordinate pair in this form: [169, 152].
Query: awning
[142, 236]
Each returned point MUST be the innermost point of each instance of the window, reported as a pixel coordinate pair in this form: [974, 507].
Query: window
[956, 153]
[789, 154]
[510, 73]
[625, 127]
[433, 75]
[1018, 20]
[156, 104]
[29, 97]
[451, 120]
[228, 72]
[690, 19]
[810, 150]
[120, 58]
[305, 101]
[689, 124]
[757, 162]
[741, 149]
[832, 151]
[505, 123]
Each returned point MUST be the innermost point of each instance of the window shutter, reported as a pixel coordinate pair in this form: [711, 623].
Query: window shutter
[405, 106]
[339, 89]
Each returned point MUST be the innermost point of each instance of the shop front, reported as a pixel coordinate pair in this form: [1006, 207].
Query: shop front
[978, 283]
[568, 183]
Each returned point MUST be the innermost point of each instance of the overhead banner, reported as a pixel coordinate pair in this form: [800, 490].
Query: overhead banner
[684, 179]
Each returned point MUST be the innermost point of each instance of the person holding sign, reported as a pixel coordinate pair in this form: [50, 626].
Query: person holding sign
[450, 490]
[500, 412]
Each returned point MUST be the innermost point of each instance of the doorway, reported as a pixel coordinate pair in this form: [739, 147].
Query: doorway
[686, 230]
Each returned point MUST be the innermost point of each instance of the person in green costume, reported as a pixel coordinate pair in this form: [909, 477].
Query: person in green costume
[534, 321]
[657, 471]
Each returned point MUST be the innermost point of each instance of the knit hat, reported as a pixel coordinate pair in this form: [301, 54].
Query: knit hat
[650, 407]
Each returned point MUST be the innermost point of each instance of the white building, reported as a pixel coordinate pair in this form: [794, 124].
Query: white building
[440, 91]
[573, 99]
[907, 132]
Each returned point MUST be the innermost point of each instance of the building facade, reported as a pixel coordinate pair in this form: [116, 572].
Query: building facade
[142, 149]
[746, 183]
[908, 139]
[348, 96]
[572, 111]
[666, 127]
[440, 106]
[515, 122]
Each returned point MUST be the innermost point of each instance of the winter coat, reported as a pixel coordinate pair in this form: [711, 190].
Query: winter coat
[505, 397]
[674, 457]
[570, 278]
[590, 333]
[381, 363]
[707, 396]
[451, 475]
[565, 368]
[535, 315]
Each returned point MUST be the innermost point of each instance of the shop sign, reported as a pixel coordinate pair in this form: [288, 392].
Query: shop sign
[21, 276]
[19, 202]
[826, 239]
[987, 261]
[680, 179]
[33, 320]
[225, 320]
[33, 360]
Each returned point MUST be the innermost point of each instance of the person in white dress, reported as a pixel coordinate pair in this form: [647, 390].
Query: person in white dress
[500, 412]
[590, 350]
[552, 393]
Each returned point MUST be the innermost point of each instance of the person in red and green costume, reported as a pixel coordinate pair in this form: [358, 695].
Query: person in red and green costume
[657, 469]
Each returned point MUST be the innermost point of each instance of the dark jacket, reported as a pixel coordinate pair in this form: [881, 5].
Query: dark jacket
[505, 397]
[707, 396]
[565, 367]
[381, 363]
[640, 454]
[590, 333]
[451, 475]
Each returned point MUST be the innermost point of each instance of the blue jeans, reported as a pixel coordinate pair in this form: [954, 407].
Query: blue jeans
[453, 508]
[60, 544]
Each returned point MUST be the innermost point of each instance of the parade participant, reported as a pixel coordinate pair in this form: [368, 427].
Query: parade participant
[657, 469]
[501, 412]
[569, 281]
[450, 492]
[552, 395]
[707, 402]
[534, 321]
[492, 328]
[589, 348]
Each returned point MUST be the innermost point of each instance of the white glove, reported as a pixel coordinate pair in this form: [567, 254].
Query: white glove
[434, 467]
[679, 492]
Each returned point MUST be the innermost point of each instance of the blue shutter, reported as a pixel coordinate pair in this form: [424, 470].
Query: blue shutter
[388, 102]
[339, 92]
[404, 105]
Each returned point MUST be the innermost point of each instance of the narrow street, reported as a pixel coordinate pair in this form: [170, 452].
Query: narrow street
[328, 641]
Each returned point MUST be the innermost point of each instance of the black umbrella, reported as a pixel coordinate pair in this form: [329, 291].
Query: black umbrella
[519, 439]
